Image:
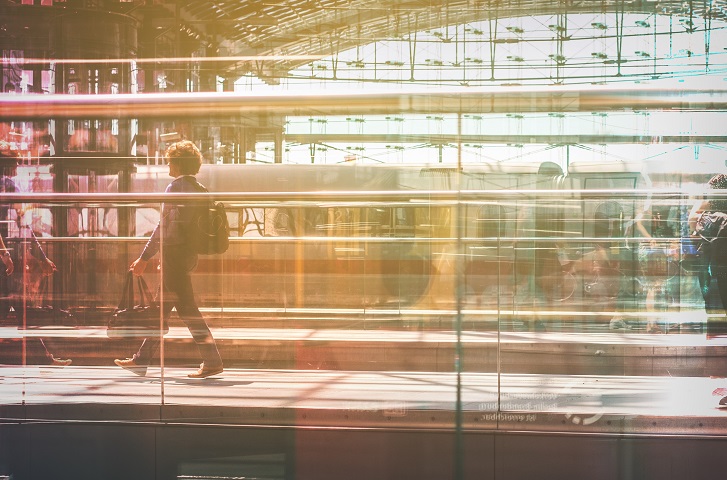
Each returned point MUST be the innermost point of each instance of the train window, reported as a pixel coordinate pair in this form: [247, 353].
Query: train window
[661, 221]
[313, 219]
[404, 218]
[234, 220]
[432, 222]
[549, 220]
[247, 222]
[395, 222]
[243, 221]
[296, 222]
[280, 222]
[338, 222]
[489, 222]
[608, 220]
[625, 183]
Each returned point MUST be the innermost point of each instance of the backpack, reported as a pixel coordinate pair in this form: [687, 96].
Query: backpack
[712, 229]
[209, 229]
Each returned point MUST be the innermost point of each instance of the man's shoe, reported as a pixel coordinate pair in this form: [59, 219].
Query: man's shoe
[130, 365]
[205, 372]
[60, 362]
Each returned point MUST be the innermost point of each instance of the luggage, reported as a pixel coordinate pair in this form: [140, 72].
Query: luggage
[40, 312]
[136, 316]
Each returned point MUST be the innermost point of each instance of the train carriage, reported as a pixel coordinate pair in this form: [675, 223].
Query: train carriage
[523, 251]
[533, 242]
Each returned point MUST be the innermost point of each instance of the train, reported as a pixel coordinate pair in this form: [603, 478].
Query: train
[530, 242]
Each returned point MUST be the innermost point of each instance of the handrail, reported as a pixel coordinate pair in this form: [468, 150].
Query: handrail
[523, 99]
[339, 198]
[382, 239]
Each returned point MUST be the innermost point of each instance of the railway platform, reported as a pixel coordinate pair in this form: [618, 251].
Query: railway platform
[358, 399]
[269, 423]
[304, 402]
[382, 349]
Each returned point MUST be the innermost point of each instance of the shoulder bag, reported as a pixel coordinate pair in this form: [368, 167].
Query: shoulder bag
[136, 316]
[41, 312]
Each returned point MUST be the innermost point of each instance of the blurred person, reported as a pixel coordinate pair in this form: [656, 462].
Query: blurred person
[11, 288]
[551, 268]
[717, 261]
[657, 258]
[717, 266]
[177, 263]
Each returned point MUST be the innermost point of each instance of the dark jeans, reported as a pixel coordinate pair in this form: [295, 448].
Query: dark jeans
[178, 293]
[722, 289]
[715, 299]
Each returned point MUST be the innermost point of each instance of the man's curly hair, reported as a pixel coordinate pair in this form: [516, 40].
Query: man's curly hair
[718, 182]
[186, 155]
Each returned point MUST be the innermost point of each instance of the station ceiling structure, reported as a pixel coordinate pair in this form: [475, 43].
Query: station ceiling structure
[272, 38]
[468, 43]
[279, 46]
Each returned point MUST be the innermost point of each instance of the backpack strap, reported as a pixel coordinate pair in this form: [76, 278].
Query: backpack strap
[198, 186]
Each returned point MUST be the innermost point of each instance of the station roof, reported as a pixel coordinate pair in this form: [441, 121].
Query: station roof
[301, 30]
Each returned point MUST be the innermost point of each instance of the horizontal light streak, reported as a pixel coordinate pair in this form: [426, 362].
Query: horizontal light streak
[348, 198]
[163, 60]
[685, 316]
[505, 242]
[478, 100]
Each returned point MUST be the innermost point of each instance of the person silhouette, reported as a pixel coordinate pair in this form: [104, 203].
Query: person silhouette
[179, 259]
[11, 286]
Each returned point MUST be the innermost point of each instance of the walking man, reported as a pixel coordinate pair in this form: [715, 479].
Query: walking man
[26, 252]
[173, 233]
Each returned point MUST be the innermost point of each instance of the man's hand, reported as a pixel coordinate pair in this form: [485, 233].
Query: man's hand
[138, 266]
[9, 267]
[47, 267]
